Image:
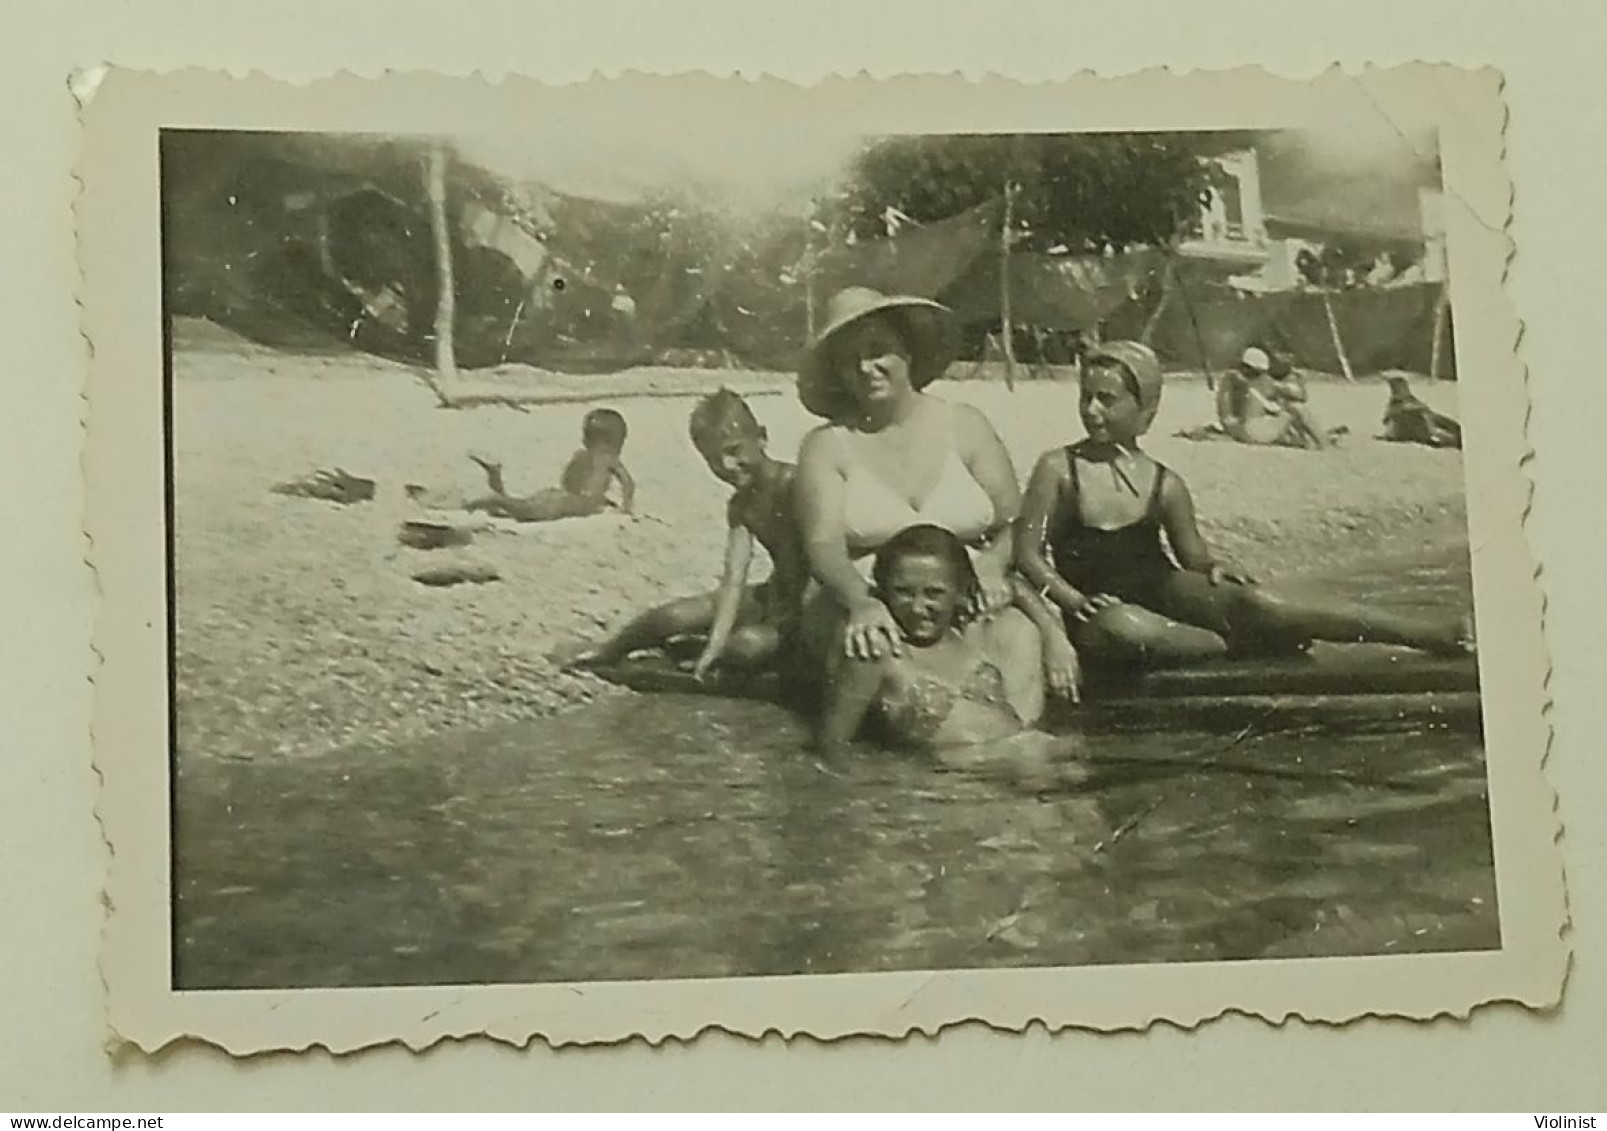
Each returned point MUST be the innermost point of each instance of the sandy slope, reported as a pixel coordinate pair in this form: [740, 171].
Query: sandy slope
[300, 629]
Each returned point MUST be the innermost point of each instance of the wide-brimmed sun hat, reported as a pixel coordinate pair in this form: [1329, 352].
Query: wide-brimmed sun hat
[1139, 361]
[928, 328]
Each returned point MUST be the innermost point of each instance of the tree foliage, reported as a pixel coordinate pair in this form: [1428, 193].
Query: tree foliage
[1082, 192]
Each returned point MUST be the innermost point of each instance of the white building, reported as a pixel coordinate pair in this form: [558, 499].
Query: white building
[1232, 227]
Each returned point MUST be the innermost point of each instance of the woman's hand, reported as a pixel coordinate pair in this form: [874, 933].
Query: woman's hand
[1061, 669]
[1087, 608]
[871, 632]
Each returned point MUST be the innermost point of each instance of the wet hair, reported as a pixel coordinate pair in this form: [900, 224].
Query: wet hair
[603, 426]
[720, 413]
[927, 541]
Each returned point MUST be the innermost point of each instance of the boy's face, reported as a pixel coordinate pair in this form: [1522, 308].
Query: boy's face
[1110, 412]
[734, 455]
[924, 597]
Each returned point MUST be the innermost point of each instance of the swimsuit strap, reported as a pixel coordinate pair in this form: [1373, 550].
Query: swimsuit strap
[1076, 488]
[1155, 494]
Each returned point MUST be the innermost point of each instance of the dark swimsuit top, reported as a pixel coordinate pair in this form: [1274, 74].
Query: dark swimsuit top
[1119, 561]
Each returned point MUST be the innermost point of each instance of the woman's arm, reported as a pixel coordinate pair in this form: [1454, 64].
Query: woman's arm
[1044, 487]
[986, 457]
[1060, 667]
[854, 687]
[821, 495]
[728, 600]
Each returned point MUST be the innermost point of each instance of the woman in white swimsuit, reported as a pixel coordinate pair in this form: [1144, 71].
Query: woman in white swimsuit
[892, 456]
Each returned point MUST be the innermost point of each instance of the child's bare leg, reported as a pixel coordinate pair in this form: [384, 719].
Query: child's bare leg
[652, 629]
[493, 473]
[545, 506]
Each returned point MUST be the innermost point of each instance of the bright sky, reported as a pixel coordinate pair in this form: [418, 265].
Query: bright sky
[757, 169]
[757, 163]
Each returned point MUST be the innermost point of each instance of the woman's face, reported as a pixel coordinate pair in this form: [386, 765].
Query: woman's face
[924, 597]
[1110, 412]
[873, 362]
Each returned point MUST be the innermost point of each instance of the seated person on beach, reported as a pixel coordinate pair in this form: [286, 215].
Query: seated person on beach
[582, 488]
[743, 624]
[1109, 535]
[1409, 420]
[1257, 405]
[965, 689]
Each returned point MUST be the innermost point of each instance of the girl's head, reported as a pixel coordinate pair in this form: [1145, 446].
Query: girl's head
[728, 437]
[872, 350]
[924, 577]
[1120, 392]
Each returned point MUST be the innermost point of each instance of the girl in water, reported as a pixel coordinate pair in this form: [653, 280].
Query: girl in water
[967, 690]
[1109, 535]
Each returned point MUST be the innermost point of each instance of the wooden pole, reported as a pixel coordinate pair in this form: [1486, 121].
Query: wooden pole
[1153, 322]
[1005, 326]
[446, 368]
[1442, 321]
[1194, 323]
[1339, 343]
[809, 287]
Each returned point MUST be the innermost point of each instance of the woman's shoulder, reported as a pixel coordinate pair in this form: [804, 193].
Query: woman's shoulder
[970, 423]
[822, 443]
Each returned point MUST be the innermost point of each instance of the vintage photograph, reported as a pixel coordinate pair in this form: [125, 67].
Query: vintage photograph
[635, 555]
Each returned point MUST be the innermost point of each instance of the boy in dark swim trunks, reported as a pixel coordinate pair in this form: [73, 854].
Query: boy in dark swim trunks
[744, 624]
[1109, 535]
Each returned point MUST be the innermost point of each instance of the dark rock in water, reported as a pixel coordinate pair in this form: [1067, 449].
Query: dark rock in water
[332, 486]
[416, 535]
[442, 576]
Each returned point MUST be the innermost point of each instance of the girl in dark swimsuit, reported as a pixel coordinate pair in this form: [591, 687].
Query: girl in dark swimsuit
[1109, 535]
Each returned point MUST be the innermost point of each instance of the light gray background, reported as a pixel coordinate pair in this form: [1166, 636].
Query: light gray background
[51, 1032]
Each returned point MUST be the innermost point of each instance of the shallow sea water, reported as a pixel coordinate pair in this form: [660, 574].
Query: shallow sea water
[682, 836]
